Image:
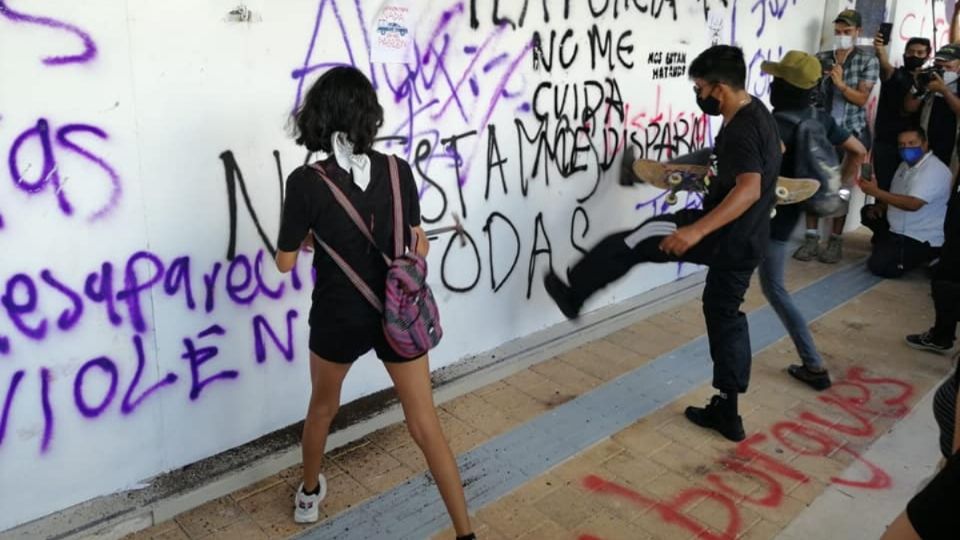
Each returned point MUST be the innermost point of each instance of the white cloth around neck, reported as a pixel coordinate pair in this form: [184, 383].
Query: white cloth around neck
[357, 164]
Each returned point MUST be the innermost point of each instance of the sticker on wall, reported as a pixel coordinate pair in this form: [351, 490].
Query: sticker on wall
[715, 27]
[392, 34]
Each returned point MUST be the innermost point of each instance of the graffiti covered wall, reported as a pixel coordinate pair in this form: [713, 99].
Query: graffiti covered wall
[142, 324]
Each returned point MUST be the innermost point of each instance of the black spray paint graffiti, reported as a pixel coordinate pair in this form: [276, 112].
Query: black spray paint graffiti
[500, 171]
[516, 17]
[234, 177]
[488, 230]
[667, 65]
[608, 51]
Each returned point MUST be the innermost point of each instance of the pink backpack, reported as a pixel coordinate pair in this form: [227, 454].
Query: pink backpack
[411, 320]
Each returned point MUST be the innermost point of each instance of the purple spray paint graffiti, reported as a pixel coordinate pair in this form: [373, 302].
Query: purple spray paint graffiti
[89, 47]
[428, 86]
[49, 173]
[98, 383]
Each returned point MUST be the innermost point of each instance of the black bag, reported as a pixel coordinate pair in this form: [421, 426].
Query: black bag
[813, 156]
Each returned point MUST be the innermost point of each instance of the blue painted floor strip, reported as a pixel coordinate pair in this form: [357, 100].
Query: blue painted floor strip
[414, 510]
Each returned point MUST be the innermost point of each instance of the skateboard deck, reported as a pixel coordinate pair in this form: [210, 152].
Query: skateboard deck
[677, 177]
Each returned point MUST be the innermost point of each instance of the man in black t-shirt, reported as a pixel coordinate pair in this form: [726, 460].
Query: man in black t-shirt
[729, 234]
[892, 118]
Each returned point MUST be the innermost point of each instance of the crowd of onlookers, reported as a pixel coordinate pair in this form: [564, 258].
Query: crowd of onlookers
[907, 167]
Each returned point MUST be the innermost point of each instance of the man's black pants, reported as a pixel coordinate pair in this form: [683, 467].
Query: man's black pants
[727, 329]
[893, 254]
[945, 287]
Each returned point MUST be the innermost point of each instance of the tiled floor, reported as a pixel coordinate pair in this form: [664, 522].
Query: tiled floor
[649, 480]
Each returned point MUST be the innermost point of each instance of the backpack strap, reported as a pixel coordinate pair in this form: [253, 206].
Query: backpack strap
[348, 207]
[397, 207]
[352, 275]
[398, 247]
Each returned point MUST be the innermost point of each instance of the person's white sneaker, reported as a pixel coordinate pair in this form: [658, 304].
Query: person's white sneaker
[306, 508]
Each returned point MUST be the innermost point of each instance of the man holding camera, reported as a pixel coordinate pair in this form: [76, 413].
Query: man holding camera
[907, 221]
[935, 96]
[892, 118]
[851, 75]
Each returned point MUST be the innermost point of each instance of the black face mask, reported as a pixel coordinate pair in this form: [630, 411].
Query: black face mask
[912, 62]
[784, 96]
[709, 105]
[777, 94]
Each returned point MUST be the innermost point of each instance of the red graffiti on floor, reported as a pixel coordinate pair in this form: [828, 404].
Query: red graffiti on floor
[858, 398]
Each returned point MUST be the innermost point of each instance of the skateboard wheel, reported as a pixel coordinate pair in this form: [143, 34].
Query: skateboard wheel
[675, 179]
[671, 198]
[782, 193]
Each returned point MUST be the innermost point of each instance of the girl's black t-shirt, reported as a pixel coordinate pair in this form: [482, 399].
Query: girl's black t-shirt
[309, 205]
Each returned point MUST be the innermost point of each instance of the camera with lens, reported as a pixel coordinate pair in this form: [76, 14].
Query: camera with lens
[925, 76]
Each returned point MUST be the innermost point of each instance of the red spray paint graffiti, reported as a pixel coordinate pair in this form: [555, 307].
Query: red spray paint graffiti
[860, 398]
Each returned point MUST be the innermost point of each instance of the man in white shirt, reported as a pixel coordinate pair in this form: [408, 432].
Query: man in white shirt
[907, 221]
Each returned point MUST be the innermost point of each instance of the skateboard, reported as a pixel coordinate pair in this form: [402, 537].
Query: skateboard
[677, 177]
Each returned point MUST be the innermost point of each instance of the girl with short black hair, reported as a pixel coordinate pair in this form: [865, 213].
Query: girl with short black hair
[340, 116]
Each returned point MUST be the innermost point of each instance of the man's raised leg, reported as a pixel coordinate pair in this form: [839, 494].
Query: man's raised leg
[613, 257]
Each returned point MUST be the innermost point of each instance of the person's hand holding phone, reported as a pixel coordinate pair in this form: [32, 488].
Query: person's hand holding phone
[879, 45]
[937, 84]
[836, 75]
[886, 29]
[867, 181]
[827, 64]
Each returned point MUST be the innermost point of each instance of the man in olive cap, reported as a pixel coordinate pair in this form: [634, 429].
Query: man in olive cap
[795, 79]
[851, 74]
[935, 95]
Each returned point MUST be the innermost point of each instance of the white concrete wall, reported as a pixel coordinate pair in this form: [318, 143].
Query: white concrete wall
[121, 121]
